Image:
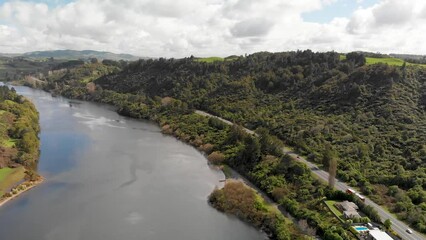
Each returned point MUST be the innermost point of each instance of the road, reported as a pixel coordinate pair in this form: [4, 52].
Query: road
[397, 225]
[202, 113]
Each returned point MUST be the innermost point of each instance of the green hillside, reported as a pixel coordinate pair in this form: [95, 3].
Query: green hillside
[372, 116]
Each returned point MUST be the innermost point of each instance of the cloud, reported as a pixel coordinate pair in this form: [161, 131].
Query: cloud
[393, 12]
[172, 28]
[251, 28]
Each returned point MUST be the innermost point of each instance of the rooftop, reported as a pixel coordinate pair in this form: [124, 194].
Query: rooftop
[379, 235]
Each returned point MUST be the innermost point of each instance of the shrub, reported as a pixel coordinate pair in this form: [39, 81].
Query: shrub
[216, 157]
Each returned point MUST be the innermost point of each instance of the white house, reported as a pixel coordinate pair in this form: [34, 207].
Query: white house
[378, 235]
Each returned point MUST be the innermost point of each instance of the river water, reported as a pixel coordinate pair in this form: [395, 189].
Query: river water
[110, 177]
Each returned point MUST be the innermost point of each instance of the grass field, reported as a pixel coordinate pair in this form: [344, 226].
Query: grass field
[9, 143]
[4, 172]
[216, 59]
[9, 177]
[210, 59]
[389, 60]
[336, 212]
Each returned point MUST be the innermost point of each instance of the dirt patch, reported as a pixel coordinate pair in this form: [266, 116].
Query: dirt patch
[6, 156]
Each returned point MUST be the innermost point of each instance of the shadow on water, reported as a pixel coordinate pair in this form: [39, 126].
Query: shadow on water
[134, 166]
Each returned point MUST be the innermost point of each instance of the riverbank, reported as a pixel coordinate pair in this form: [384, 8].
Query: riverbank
[19, 144]
[238, 199]
[18, 190]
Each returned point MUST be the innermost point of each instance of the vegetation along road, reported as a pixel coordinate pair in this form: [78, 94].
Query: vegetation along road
[397, 225]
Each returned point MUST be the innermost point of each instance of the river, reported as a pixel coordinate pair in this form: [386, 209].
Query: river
[112, 177]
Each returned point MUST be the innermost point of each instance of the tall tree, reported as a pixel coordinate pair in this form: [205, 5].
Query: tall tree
[387, 224]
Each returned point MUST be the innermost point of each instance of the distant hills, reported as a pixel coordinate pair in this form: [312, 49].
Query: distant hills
[73, 54]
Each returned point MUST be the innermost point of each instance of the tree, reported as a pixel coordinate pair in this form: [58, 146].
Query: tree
[251, 153]
[327, 155]
[387, 224]
[332, 169]
[356, 58]
[216, 157]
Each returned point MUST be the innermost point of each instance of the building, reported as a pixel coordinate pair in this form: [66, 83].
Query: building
[349, 209]
[351, 214]
[347, 206]
[378, 235]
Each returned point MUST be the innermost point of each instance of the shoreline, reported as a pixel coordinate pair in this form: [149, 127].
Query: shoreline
[5, 200]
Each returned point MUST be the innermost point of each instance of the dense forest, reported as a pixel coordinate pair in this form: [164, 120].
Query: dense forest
[372, 117]
[19, 128]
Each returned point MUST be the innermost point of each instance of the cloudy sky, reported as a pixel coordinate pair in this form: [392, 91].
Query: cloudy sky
[178, 28]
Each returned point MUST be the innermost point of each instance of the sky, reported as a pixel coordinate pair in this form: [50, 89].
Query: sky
[180, 28]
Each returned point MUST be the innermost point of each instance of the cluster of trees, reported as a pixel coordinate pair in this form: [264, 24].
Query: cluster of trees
[237, 199]
[372, 116]
[20, 125]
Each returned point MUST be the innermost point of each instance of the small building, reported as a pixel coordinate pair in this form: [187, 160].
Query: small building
[349, 209]
[378, 235]
[347, 206]
[351, 214]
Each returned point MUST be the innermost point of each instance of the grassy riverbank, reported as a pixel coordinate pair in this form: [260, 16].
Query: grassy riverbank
[18, 190]
[9, 177]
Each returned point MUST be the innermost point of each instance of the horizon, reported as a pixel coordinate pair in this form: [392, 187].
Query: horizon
[213, 27]
[224, 56]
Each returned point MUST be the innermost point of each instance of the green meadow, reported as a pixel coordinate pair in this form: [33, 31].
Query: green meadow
[388, 60]
[216, 59]
[9, 177]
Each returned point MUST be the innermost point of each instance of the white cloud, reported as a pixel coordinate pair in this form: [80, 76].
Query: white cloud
[209, 27]
[389, 26]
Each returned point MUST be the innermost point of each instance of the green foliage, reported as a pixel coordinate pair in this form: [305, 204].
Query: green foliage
[20, 127]
[357, 58]
[237, 199]
[387, 223]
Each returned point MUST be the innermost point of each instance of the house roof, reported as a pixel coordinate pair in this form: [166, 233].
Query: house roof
[351, 213]
[346, 205]
[379, 235]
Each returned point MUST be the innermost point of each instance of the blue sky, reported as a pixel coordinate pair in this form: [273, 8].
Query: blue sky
[341, 8]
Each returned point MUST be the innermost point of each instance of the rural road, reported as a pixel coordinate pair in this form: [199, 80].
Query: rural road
[397, 225]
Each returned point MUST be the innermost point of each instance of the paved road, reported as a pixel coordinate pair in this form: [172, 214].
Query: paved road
[397, 225]
[202, 113]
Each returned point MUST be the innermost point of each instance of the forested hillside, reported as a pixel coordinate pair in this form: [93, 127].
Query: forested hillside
[373, 117]
[19, 143]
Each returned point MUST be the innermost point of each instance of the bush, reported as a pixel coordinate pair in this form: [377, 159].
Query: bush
[216, 158]
[207, 148]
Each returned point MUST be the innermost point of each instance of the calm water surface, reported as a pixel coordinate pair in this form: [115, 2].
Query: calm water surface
[109, 177]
